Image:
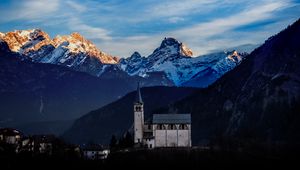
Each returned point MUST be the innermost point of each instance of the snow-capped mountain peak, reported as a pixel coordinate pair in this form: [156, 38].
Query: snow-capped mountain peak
[18, 40]
[185, 50]
[174, 59]
[169, 41]
[135, 55]
[72, 50]
[78, 44]
[235, 57]
[2, 35]
[170, 47]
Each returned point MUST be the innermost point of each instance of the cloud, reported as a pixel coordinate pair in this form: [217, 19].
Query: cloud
[202, 33]
[122, 27]
[124, 47]
[88, 31]
[208, 36]
[222, 25]
[173, 8]
[175, 20]
[76, 6]
[29, 10]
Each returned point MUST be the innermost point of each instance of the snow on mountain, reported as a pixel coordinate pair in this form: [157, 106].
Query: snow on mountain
[73, 51]
[172, 60]
[2, 35]
[19, 40]
[176, 61]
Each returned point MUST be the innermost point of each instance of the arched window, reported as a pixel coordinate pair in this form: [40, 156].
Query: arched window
[171, 127]
[160, 127]
[183, 127]
[138, 108]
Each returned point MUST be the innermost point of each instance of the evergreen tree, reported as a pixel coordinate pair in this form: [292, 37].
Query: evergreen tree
[113, 142]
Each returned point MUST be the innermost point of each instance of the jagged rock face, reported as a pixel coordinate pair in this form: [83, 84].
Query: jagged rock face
[78, 44]
[24, 40]
[133, 64]
[170, 49]
[72, 51]
[173, 46]
[176, 61]
[213, 67]
[172, 60]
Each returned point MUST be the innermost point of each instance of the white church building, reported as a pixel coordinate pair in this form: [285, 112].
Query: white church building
[163, 130]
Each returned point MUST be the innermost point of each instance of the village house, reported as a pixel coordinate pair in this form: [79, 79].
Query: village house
[43, 143]
[10, 136]
[162, 130]
[95, 152]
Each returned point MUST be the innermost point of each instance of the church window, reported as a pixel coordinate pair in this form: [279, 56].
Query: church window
[171, 127]
[183, 127]
[160, 127]
[138, 108]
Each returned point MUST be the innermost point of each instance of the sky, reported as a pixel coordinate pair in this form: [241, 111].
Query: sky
[120, 27]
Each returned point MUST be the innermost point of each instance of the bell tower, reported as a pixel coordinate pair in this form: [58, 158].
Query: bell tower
[138, 108]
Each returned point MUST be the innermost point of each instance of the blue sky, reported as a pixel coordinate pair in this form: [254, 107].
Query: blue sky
[121, 27]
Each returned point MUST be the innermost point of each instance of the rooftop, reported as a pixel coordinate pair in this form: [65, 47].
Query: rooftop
[9, 132]
[171, 118]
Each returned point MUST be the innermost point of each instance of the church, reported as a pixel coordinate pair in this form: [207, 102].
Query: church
[162, 130]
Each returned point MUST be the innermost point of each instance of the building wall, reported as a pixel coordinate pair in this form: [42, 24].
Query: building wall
[12, 139]
[160, 138]
[172, 138]
[183, 138]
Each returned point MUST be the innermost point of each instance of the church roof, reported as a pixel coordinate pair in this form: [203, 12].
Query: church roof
[138, 98]
[171, 118]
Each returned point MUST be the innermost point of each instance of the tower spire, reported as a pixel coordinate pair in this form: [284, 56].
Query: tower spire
[138, 94]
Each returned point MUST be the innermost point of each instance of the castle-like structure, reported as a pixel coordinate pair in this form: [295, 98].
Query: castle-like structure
[163, 130]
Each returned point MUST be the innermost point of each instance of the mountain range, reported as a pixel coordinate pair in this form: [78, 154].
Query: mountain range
[33, 92]
[170, 64]
[39, 72]
[176, 61]
[257, 101]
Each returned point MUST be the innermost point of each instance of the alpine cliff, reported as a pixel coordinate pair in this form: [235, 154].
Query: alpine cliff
[172, 63]
[72, 51]
[175, 60]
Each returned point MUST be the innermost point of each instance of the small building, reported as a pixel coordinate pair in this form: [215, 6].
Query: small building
[27, 144]
[162, 130]
[43, 143]
[10, 136]
[95, 152]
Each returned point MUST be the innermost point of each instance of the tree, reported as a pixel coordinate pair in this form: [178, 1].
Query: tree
[113, 142]
[126, 141]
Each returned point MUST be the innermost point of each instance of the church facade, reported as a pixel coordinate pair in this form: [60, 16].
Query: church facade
[162, 130]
